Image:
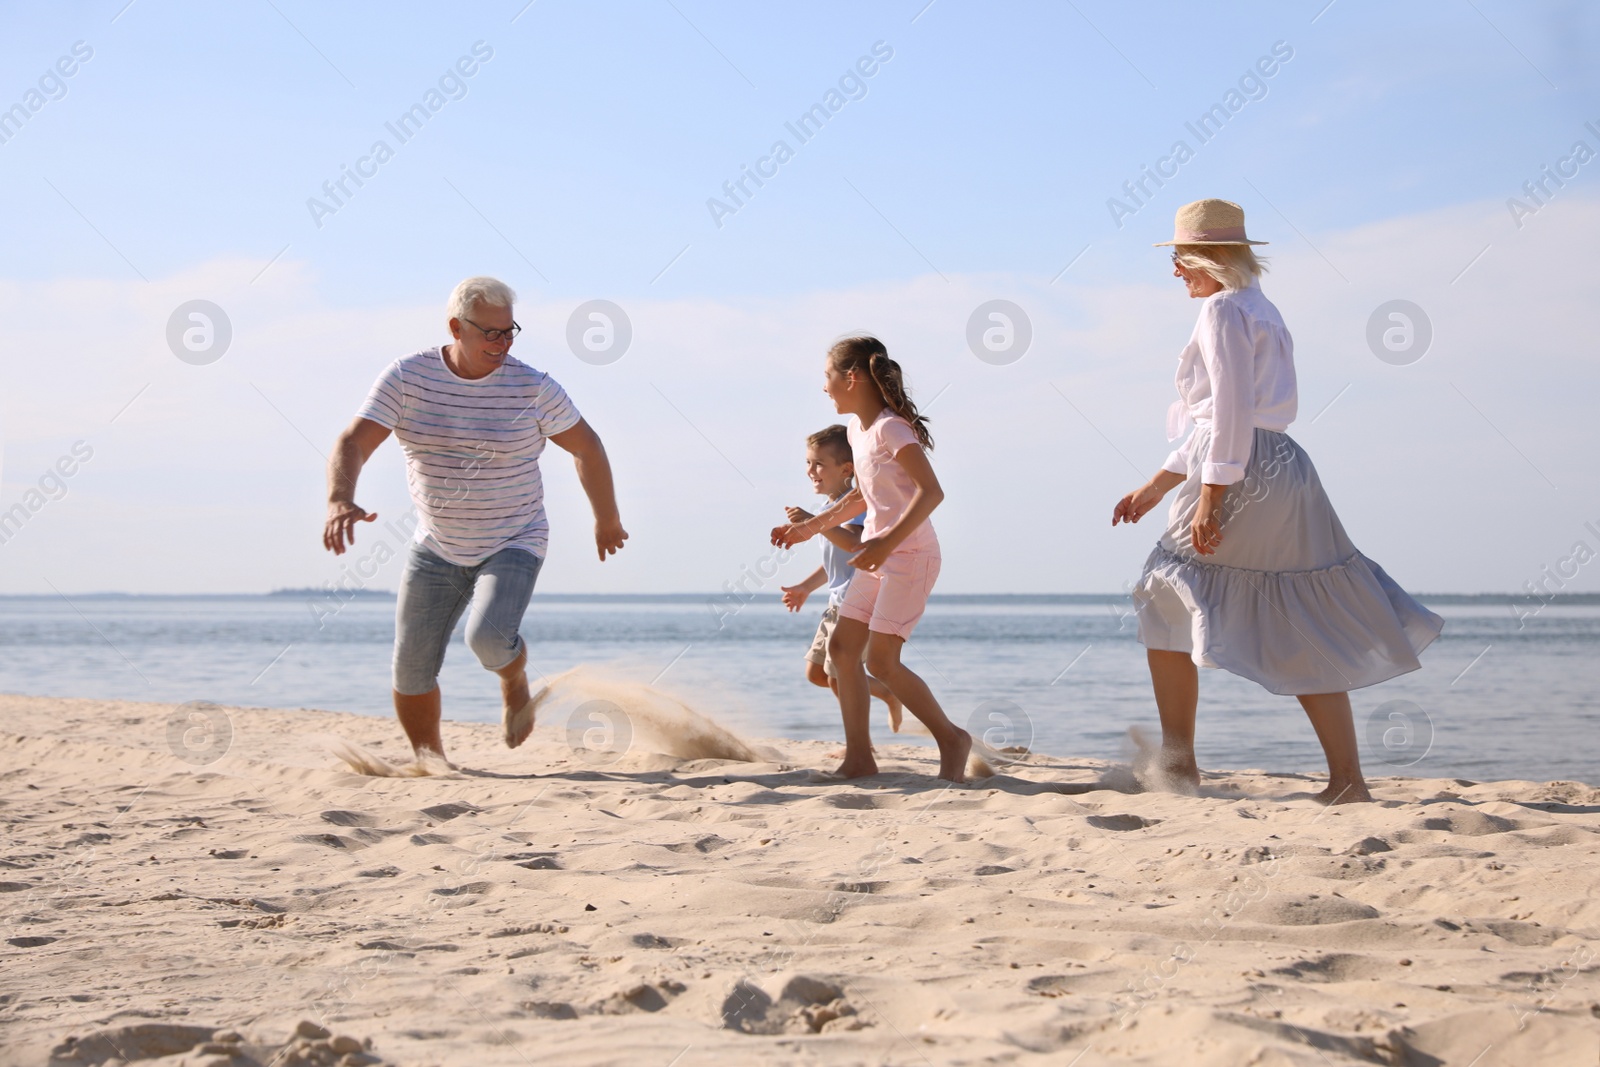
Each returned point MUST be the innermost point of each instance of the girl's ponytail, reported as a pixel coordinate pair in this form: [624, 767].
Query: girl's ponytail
[868, 356]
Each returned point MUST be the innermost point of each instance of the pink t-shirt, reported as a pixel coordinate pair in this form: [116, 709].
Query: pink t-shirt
[884, 483]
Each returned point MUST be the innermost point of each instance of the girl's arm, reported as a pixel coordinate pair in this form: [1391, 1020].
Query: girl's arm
[793, 533]
[927, 496]
[846, 537]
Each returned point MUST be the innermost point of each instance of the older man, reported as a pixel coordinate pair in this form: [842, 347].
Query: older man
[473, 421]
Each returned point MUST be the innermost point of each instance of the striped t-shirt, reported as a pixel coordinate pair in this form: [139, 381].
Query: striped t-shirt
[472, 451]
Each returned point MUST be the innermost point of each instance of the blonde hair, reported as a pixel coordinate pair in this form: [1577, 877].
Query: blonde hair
[1233, 266]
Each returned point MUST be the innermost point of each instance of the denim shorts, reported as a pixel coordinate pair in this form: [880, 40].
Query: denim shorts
[433, 594]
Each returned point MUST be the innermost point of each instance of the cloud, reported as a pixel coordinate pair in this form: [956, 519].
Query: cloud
[210, 477]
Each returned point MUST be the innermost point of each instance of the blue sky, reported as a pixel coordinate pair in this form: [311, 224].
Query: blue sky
[577, 159]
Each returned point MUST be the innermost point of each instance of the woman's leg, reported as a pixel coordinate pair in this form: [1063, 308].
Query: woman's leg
[846, 645]
[1177, 686]
[883, 660]
[1330, 717]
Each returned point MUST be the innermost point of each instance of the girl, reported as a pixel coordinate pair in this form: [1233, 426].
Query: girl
[899, 557]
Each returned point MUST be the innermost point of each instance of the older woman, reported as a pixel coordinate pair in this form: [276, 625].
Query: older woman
[1255, 573]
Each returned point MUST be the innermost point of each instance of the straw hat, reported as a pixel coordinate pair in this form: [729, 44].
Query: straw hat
[1209, 222]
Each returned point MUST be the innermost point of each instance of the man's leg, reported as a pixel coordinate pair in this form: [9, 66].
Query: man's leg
[433, 593]
[419, 717]
[499, 599]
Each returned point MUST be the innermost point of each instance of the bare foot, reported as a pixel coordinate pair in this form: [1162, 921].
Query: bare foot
[1179, 771]
[843, 753]
[857, 768]
[895, 712]
[518, 723]
[1164, 768]
[1346, 793]
[430, 759]
[953, 761]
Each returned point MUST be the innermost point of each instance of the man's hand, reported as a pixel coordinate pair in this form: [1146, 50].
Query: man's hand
[794, 596]
[340, 529]
[608, 538]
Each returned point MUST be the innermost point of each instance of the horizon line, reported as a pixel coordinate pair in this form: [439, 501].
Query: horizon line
[386, 594]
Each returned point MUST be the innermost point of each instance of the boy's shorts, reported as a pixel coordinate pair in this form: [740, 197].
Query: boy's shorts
[819, 644]
[891, 599]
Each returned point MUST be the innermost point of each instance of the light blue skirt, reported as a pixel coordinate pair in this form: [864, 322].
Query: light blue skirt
[1286, 600]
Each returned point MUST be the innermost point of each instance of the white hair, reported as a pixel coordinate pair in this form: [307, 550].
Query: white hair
[1233, 266]
[480, 290]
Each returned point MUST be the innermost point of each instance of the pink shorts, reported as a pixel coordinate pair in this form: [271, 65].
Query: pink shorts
[891, 599]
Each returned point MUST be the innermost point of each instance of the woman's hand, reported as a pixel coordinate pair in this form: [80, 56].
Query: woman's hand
[872, 555]
[1205, 530]
[1133, 507]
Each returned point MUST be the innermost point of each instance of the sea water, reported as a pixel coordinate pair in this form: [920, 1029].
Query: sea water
[1497, 696]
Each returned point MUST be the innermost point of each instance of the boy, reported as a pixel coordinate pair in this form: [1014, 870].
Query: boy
[831, 470]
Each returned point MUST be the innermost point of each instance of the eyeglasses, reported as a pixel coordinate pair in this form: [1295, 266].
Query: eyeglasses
[496, 335]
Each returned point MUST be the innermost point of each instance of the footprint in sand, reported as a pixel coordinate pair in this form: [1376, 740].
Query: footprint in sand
[643, 997]
[349, 818]
[804, 1005]
[1339, 967]
[549, 1009]
[329, 841]
[446, 812]
[1120, 822]
[709, 843]
[1310, 910]
[1470, 824]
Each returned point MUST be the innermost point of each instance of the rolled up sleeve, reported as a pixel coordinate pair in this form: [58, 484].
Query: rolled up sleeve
[1178, 462]
[1229, 356]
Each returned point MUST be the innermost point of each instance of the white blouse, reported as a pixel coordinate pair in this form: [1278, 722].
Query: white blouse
[1235, 374]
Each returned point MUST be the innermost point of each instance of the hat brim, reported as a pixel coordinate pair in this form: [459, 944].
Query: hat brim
[1163, 244]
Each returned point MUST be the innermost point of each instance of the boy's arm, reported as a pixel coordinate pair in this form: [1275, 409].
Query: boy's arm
[794, 596]
[847, 536]
[813, 581]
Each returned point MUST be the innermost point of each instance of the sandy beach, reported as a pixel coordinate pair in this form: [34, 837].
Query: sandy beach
[544, 907]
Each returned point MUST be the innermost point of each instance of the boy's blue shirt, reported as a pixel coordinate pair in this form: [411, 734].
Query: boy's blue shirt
[836, 561]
